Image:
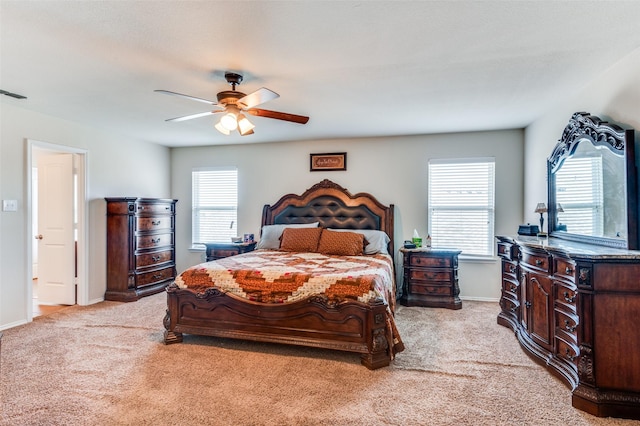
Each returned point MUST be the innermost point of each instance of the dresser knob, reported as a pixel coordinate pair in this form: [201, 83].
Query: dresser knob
[155, 222]
[512, 268]
[569, 297]
[569, 326]
[568, 271]
[569, 354]
[155, 240]
[527, 304]
[539, 262]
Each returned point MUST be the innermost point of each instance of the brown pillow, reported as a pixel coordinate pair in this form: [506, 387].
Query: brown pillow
[341, 243]
[300, 239]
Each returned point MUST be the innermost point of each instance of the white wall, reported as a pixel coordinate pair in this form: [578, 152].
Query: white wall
[613, 96]
[394, 169]
[117, 166]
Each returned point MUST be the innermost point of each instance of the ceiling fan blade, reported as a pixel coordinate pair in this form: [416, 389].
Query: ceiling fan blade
[193, 98]
[258, 97]
[301, 119]
[192, 116]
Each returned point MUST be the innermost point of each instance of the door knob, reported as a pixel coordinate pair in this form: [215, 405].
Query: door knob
[38, 237]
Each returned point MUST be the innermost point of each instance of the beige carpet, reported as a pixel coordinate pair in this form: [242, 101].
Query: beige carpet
[106, 365]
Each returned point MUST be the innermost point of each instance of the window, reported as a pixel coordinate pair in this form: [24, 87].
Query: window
[461, 205]
[215, 205]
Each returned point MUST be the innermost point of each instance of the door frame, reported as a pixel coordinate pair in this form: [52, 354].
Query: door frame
[82, 284]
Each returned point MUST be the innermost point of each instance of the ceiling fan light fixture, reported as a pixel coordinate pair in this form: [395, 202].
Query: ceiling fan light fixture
[229, 121]
[219, 127]
[244, 125]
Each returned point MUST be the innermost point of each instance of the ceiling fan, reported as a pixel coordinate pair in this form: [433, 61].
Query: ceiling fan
[234, 105]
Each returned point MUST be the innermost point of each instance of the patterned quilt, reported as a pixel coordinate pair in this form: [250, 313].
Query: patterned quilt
[279, 277]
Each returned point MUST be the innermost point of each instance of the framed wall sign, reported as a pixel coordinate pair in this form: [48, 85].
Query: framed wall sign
[328, 161]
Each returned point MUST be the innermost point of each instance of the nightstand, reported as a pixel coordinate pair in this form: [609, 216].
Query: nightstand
[219, 250]
[430, 278]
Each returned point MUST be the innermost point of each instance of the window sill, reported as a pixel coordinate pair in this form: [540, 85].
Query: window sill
[477, 259]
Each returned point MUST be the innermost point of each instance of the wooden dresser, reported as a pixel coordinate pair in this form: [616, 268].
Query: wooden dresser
[430, 278]
[574, 308]
[140, 247]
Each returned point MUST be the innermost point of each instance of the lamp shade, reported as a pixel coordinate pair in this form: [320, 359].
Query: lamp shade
[541, 208]
[219, 127]
[245, 126]
[229, 121]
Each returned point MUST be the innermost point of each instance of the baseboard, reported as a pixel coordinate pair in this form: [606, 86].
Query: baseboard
[480, 299]
[13, 324]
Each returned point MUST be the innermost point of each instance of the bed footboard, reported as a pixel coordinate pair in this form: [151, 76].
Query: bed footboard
[349, 326]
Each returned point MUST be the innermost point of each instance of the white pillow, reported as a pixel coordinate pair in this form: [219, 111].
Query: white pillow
[377, 240]
[270, 236]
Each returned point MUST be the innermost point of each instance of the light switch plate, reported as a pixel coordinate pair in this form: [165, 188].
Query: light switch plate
[9, 205]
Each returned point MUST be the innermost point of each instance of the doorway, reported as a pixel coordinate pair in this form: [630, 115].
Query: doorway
[61, 249]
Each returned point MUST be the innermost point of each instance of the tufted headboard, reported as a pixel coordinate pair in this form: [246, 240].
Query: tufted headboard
[334, 207]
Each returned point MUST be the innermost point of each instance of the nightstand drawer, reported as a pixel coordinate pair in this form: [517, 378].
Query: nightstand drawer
[443, 275]
[216, 251]
[433, 262]
[430, 289]
[224, 252]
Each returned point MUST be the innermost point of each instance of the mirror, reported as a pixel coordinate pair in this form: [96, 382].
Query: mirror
[592, 184]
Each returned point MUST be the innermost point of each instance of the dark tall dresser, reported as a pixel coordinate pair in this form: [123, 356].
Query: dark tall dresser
[140, 247]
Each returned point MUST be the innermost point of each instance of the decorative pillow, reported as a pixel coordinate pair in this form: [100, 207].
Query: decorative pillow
[270, 237]
[377, 241]
[300, 239]
[341, 243]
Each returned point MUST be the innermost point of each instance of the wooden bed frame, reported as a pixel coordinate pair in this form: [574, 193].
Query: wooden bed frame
[317, 322]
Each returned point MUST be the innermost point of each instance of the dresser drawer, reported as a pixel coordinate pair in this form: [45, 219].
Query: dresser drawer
[152, 241]
[154, 208]
[429, 289]
[509, 304]
[564, 268]
[431, 275]
[156, 258]
[511, 286]
[566, 295]
[509, 268]
[154, 223]
[567, 350]
[504, 250]
[536, 261]
[153, 277]
[430, 262]
[567, 322]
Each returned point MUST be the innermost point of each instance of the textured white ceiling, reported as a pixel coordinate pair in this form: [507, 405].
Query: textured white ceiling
[357, 68]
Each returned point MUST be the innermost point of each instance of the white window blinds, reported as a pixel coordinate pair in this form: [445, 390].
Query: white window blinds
[580, 193]
[215, 205]
[461, 205]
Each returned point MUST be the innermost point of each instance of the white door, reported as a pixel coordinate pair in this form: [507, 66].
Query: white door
[56, 246]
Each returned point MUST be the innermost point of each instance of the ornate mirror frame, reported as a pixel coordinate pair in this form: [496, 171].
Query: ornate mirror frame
[585, 127]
